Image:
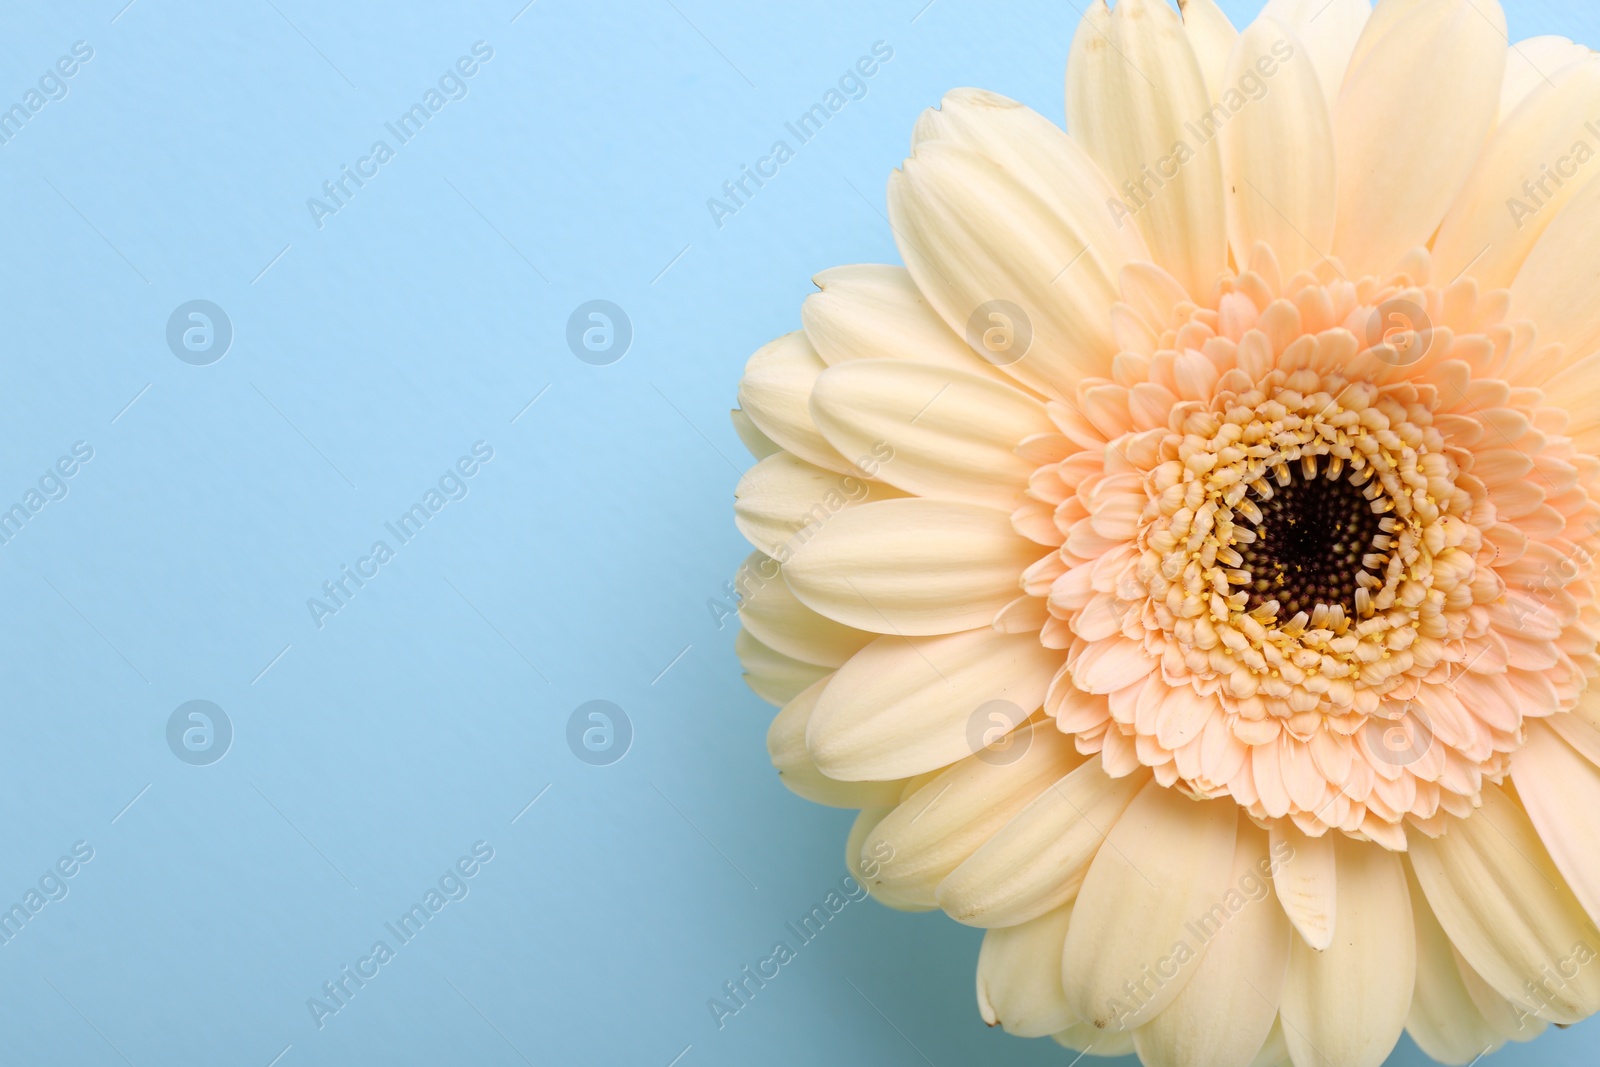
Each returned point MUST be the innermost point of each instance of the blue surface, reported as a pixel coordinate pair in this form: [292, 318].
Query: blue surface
[374, 752]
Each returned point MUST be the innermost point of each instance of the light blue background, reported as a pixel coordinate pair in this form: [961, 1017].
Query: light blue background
[425, 716]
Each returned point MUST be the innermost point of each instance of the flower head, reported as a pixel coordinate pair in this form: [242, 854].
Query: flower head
[1185, 560]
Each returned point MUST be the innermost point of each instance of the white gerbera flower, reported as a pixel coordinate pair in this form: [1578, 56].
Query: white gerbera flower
[1184, 562]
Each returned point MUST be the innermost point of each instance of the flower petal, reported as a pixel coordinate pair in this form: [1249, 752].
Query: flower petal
[1212, 37]
[875, 311]
[1277, 153]
[906, 706]
[1506, 907]
[1532, 63]
[1554, 287]
[1038, 860]
[783, 500]
[774, 677]
[865, 823]
[1019, 976]
[1003, 223]
[786, 744]
[1306, 882]
[755, 442]
[1348, 1005]
[1166, 862]
[940, 432]
[776, 393]
[1443, 1021]
[1508, 202]
[773, 614]
[1327, 30]
[1228, 1007]
[1561, 792]
[912, 567]
[1411, 121]
[936, 828]
[1133, 81]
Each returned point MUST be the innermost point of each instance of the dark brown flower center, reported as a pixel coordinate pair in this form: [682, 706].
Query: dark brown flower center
[1310, 545]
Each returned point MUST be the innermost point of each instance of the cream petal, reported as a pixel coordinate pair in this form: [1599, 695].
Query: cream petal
[783, 500]
[755, 442]
[1019, 976]
[936, 828]
[776, 617]
[1560, 790]
[940, 432]
[1275, 1050]
[1084, 1038]
[1347, 1005]
[905, 706]
[776, 393]
[1038, 860]
[875, 311]
[1306, 882]
[1506, 907]
[1496, 221]
[1212, 37]
[1277, 154]
[786, 744]
[1133, 81]
[1327, 31]
[1555, 286]
[1003, 223]
[1166, 862]
[1443, 1021]
[1533, 63]
[774, 677]
[1410, 123]
[865, 823]
[912, 567]
[1228, 1007]
[1577, 389]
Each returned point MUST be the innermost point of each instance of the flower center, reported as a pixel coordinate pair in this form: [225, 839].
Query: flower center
[1315, 535]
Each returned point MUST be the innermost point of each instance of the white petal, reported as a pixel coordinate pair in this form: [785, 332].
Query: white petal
[1277, 153]
[1328, 30]
[940, 432]
[936, 828]
[1307, 882]
[1166, 862]
[1506, 907]
[905, 706]
[1410, 123]
[873, 311]
[1003, 223]
[1561, 792]
[912, 567]
[1533, 63]
[1555, 286]
[1019, 976]
[776, 393]
[1132, 83]
[757, 443]
[1443, 1020]
[774, 615]
[1227, 1009]
[783, 500]
[1212, 37]
[859, 830]
[1038, 860]
[1347, 1005]
[786, 744]
[1083, 1037]
[1510, 198]
[774, 677]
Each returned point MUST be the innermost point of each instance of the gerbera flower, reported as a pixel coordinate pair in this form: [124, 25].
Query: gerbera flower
[1184, 561]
